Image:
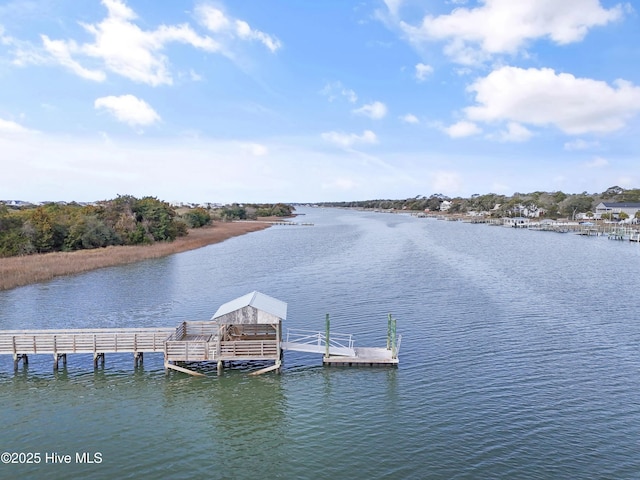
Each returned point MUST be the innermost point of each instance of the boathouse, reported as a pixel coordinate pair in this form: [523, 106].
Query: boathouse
[247, 328]
[250, 328]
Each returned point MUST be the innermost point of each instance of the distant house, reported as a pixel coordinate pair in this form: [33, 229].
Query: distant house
[445, 205]
[630, 208]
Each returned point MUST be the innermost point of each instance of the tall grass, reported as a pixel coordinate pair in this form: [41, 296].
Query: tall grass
[18, 271]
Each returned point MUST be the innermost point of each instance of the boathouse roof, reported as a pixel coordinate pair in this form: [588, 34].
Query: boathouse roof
[246, 309]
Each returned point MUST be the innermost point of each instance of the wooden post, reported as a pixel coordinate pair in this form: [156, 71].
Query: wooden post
[56, 360]
[138, 358]
[389, 333]
[20, 356]
[97, 356]
[394, 353]
[327, 331]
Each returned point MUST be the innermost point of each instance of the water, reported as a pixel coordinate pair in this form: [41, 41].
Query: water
[519, 359]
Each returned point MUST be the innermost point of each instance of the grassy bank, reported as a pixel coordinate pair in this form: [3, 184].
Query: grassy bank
[18, 271]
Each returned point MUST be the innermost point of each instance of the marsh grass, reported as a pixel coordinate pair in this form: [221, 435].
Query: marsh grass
[24, 270]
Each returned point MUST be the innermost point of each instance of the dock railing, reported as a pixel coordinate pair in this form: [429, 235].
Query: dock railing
[316, 342]
[83, 341]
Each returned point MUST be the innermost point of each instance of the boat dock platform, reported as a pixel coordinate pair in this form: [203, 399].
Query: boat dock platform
[364, 357]
[246, 329]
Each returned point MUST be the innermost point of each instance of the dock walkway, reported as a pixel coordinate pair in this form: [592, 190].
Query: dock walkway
[59, 343]
[246, 329]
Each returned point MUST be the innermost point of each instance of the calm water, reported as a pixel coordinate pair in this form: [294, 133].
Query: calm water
[520, 359]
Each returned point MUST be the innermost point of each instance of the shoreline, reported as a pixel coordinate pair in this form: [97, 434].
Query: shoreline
[29, 269]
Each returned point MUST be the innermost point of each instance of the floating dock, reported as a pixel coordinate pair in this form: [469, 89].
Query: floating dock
[246, 329]
[364, 357]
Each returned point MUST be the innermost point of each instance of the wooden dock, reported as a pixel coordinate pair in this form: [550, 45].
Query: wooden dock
[60, 343]
[246, 329]
[364, 357]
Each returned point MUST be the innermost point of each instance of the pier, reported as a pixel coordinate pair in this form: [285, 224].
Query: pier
[248, 328]
[60, 343]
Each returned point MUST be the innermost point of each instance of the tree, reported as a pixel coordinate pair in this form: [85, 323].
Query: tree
[90, 232]
[197, 217]
[631, 196]
[559, 196]
[157, 218]
[576, 204]
[13, 241]
[41, 231]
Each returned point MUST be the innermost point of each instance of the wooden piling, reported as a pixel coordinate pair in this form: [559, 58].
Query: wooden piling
[138, 359]
[327, 332]
[96, 357]
[56, 360]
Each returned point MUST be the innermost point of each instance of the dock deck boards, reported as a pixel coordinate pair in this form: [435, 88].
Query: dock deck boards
[365, 356]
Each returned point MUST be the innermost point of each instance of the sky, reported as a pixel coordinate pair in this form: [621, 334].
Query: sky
[310, 101]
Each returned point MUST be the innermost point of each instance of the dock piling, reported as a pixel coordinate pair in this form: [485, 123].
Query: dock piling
[56, 360]
[96, 357]
[327, 331]
[138, 359]
[20, 356]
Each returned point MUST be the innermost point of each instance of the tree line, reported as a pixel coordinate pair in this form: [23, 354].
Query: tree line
[125, 220]
[553, 204]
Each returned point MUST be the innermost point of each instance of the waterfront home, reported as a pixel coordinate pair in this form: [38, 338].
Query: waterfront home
[616, 208]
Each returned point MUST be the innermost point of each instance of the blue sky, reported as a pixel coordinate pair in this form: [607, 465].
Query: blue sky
[262, 101]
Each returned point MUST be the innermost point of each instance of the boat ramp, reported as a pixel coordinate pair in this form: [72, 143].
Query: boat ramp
[248, 328]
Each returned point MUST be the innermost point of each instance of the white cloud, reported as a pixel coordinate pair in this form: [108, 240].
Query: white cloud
[515, 133]
[195, 76]
[128, 109]
[446, 181]
[461, 129]
[597, 162]
[473, 35]
[255, 149]
[10, 127]
[122, 47]
[61, 52]
[334, 90]
[580, 144]
[341, 183]
[409, 118]
[347, 140]
[542, 97]
[375, 110]
[423, 71]
[218, 22]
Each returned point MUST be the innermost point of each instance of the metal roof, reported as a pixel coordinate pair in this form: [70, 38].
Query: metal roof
[620, 204]
[257, 300]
